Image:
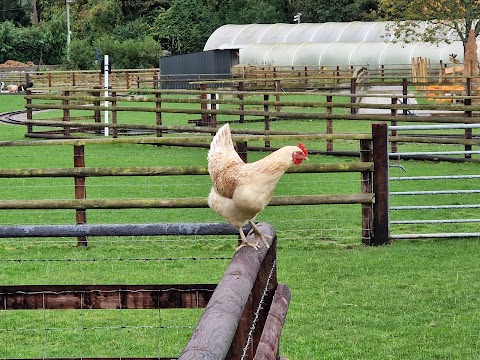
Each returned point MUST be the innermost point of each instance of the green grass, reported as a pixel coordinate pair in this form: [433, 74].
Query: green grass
[408, 300]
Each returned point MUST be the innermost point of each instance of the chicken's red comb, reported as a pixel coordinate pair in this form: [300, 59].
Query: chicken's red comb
[304, 149]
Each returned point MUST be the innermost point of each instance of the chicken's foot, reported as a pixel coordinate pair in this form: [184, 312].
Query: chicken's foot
[245, 242]
[257, 232]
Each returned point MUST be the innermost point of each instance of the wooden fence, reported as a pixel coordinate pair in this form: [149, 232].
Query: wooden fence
[248, 296]
[369, 146]
[253, 77]
[124, 78]
[211, 107]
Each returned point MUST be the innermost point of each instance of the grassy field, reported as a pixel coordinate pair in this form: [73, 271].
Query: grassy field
[407, 300]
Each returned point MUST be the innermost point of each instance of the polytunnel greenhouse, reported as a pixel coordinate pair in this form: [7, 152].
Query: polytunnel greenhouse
[326, 44]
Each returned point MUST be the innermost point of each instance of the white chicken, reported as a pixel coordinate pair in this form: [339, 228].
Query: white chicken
[242, 190]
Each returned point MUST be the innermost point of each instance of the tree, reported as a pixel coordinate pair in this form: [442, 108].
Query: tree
[97, 18]
[17, 11]
[341, 10]
[442, 17]
[185, 26]
[253, 11]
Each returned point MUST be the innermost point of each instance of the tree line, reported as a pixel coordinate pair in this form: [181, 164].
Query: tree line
[136, 32]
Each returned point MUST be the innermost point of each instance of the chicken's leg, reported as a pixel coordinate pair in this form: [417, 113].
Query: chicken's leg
[257, 231]
[245, 242]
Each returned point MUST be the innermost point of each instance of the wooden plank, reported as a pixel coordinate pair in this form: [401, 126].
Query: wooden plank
[105, 296]
[183, 203]
[152, 229]
[99, 358]
[215, 330]
[268, 346]
[78, 172]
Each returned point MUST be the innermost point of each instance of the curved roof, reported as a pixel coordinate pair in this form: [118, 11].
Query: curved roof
[332, 43]
[344, 53]
[230, 36]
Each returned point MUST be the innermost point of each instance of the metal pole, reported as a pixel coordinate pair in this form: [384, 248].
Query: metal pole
[105, 76]
[68, 27]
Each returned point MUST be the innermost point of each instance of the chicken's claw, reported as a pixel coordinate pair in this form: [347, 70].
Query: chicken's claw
[244, 244]
[257, 232]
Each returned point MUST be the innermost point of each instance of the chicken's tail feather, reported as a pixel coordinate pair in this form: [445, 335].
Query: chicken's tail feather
[222, 140]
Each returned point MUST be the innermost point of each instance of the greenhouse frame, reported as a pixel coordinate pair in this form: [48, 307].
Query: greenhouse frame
[327, 44]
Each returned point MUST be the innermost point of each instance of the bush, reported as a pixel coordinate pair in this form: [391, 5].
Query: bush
[43, 45]
[81, 57]
[131, 53]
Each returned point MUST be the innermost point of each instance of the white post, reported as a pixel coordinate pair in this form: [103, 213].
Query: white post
[68, 27]
[105, 76]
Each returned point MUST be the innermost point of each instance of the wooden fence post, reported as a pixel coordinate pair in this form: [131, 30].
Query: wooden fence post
[241, 107]
[278, 90]
[242, 150]
[366, 188]
[268, 346]
[97, 116]
[353, 99]
[203, 106]
[213, 106]
[127, 80]
[114, 114]
[266, 119]
[216, 335]
[393, 113]
[267, 270]
[29, 111]
[329, 129]
[468, 114]
[158, 113]
[80, 190]
[381, 222]
[405, 93]
[66, 113]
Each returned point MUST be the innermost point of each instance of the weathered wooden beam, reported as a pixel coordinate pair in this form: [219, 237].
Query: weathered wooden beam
[215, 331]
[268, 346]
[170, 140]
[175, 203]
[99, 358]
[105, 171]
[322, 199]
[180, 296]
[168, 170]
[21, 231]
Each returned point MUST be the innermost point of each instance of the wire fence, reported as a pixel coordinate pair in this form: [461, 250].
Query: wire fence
[454, 212]
[170, 259]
